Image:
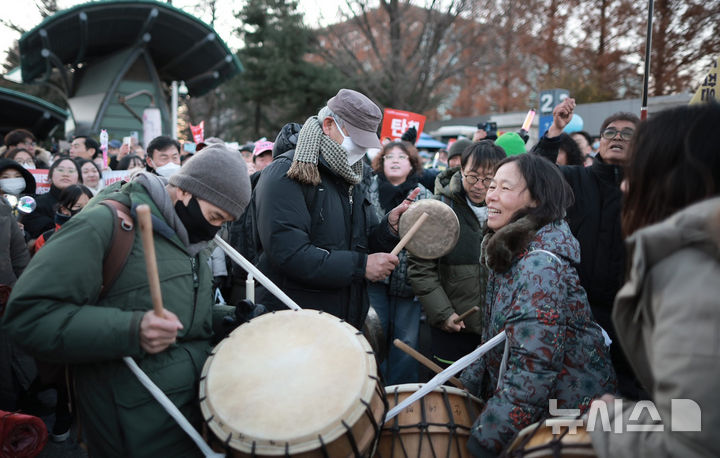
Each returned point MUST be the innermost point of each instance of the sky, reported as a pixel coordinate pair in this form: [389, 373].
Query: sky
[24, 14]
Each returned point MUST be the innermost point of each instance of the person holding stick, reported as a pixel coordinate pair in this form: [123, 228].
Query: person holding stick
[321, 241]
[57, 313]
[555, 349]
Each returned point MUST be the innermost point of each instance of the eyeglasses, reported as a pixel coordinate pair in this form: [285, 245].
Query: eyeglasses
[392, 157]
[472, 180]
[611, 132]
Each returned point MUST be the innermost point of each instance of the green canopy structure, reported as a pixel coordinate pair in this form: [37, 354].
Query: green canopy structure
[105, 51]
[23, 111]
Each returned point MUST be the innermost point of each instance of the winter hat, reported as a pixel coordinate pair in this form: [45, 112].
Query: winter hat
[29, 178]
[512, 143]
[218, 176]
[362, 117]
[458, 147]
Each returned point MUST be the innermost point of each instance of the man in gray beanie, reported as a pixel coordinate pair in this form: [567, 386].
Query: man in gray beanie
[64, 311]
[321, 241]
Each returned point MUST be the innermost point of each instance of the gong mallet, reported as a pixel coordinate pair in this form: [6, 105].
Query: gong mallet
[145, 222]
[466, 314]
[422, 359]
[406, 238]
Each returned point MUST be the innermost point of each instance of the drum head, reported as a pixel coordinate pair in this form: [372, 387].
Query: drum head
[285, 378]
[438, 234]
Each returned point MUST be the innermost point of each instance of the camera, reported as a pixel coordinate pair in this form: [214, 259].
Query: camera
[490, 128]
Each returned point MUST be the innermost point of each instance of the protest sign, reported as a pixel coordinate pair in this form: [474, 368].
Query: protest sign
[708, 89]
[396, 122]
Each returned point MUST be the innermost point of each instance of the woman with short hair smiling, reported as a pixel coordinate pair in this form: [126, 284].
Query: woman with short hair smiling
[556, 349]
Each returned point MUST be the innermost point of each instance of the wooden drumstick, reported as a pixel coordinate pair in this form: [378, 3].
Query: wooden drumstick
[406, 238]
[145, 221]
[419, 357]
[466, 314]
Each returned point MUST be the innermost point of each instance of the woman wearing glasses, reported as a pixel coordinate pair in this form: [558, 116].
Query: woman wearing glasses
[397, 172]
[449, 286]
[62, 174]
[594, 220]
[555, 348]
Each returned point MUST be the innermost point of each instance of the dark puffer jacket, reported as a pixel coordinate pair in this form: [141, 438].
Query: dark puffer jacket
[594, 220]
[43, 218]
[315, 240]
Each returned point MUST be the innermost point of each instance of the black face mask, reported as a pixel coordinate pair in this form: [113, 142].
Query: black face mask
[198, 228]
[61, 218]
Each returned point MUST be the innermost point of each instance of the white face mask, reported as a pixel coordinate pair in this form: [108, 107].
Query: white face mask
[355, 152]
[12, 186]
[168, 169]
[28, 166]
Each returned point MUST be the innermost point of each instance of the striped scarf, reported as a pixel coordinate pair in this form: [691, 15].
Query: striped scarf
[311, 143]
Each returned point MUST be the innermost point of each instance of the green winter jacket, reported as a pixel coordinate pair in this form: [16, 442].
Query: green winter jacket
[456, 282]
[51, 314]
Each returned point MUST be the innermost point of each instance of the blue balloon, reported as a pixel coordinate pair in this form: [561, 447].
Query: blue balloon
[575, 124]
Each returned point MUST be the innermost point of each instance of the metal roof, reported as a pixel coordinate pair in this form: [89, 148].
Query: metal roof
[23, 111]
[182, 47]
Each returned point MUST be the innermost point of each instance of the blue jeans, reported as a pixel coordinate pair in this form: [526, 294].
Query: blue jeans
[402, 315]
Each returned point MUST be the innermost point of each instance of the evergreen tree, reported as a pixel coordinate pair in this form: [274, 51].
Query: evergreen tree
[279, 84]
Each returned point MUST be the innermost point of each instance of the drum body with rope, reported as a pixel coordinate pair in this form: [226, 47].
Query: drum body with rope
[540, 441]
[437, 425]
[293, 383]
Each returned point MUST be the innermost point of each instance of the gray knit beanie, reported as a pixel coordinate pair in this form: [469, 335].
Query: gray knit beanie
[218, 176]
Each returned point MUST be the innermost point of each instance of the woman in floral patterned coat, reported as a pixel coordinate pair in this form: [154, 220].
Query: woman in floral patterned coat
[556, 349]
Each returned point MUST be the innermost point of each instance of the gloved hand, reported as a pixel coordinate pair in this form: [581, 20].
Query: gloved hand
[410, 135]
[246, 310]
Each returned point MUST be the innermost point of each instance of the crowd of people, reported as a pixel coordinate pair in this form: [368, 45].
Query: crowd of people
[596, 256]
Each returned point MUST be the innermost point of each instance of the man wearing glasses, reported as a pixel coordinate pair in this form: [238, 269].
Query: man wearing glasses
[449, 286]
[594, 220]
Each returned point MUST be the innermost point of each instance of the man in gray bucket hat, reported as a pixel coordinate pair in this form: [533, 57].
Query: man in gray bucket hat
[319, 237]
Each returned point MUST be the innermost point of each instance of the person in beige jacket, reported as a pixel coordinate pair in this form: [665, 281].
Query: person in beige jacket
[667, 314]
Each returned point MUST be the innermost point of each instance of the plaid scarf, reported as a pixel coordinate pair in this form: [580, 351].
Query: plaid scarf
[311, 143]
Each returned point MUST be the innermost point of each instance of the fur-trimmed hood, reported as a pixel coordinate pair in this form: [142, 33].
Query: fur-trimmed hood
[502, 248]
[449, 184]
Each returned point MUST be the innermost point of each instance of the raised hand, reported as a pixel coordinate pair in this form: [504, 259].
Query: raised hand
[562, 114]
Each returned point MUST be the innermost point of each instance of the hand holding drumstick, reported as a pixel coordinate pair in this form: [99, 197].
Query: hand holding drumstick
[380, 265]
[158, 327]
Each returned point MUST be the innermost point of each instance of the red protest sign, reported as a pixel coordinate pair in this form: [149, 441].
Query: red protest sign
[198, 132]
[396, 122]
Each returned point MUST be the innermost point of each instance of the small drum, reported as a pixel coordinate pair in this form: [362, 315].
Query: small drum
[293, 383]
[538, 441]
[437, 236]
[437, 425]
